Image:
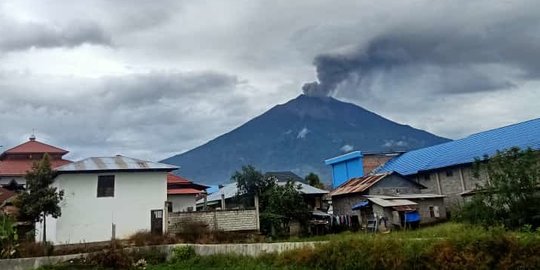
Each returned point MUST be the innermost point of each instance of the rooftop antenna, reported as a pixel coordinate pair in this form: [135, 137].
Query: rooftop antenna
[33, 136]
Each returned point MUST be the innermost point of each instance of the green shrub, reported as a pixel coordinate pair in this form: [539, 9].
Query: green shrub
[8, 237]
[183, 253]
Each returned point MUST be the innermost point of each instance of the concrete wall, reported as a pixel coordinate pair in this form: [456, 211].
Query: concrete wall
[225, 220]
[181, 202]
[342, 205]
[392, 185]
[451, 182]
[87, 218]
[203, 250]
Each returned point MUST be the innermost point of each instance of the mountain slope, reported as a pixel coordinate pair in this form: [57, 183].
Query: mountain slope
[298, 136]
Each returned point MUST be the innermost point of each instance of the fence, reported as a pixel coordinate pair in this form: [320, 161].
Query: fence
[223, 220]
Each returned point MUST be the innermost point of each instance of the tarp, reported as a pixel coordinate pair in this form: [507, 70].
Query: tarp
[360, 205]
[412, 216]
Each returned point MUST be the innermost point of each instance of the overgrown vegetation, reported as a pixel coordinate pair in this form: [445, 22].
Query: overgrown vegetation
[8, 237]
[511, 195]
[445, 246]
[448, 246]
[279, 205]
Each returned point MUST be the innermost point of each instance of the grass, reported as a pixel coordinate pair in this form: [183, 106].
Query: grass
[444, 246]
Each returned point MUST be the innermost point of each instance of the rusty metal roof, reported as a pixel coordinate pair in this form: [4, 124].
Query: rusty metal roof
[116, 163]
[359, 184]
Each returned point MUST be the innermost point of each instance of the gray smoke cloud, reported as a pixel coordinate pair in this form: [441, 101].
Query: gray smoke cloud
[455, 60]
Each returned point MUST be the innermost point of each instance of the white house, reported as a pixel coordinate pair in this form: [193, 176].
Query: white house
[182, 193]
[108, 195]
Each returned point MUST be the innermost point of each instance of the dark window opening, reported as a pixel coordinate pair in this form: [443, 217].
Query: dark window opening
[426, 177]
[449, 173]
[105, 186]
[431, 211]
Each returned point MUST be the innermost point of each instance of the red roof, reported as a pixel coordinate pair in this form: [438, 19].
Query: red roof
[186, 191]
[6, 194]
[32, 146]
[175, 179]
[20, 167]
[180, 185]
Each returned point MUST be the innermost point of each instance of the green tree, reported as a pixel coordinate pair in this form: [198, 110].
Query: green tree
[510, 196]
[283, 204]
[40, 199]
[251, 182]
[278, 204]
[313, 180]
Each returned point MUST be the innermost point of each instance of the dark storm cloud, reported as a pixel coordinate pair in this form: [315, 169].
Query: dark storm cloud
[462, 60]
[16, 36]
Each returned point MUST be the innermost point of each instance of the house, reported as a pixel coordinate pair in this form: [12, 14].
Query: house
[108, 197]
[356, 164]
[182, 194]
[386, 196]
[227, 193]
[446, 169]
[16, 161]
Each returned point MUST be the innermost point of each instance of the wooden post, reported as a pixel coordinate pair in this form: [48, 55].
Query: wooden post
[463, 187]
[222, 201]
[257, 212]
[44, 233]
[438, 182]
[165, 217]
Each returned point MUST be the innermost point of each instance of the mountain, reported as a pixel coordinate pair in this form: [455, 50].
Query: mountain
[298, 136]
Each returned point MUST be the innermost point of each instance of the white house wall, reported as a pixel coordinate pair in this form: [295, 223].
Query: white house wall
[87, 218]
[181, 202]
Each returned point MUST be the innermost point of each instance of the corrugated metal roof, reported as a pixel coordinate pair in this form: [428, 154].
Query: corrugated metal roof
[525, 134]
[391, 203]
[116, 163]
[408, 196]
[230, 190]
[359, 184]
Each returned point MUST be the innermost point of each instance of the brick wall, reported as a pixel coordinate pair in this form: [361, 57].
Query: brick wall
[451, 183]
[224, 220]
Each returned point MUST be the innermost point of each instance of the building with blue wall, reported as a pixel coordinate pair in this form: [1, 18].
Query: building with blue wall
[345, 167]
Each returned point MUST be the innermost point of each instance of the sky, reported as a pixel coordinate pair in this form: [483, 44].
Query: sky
[150, 79]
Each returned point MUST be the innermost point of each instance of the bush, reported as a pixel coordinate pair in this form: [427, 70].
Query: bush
[194, 231]
[115, 258]
[8, 237]
[146, 238]
[33, 249]
[182, 253]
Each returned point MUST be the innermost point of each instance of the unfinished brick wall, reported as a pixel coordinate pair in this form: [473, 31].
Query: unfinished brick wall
[223, 220]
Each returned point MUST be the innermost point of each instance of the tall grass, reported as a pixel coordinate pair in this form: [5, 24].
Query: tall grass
[449, 246]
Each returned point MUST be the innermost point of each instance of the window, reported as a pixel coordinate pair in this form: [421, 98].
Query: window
[105, 187]
[449, 173]
[426, 176]
[434, 211]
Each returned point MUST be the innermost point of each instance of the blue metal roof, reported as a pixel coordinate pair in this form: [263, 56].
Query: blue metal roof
[523, 135]
[342, 158]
